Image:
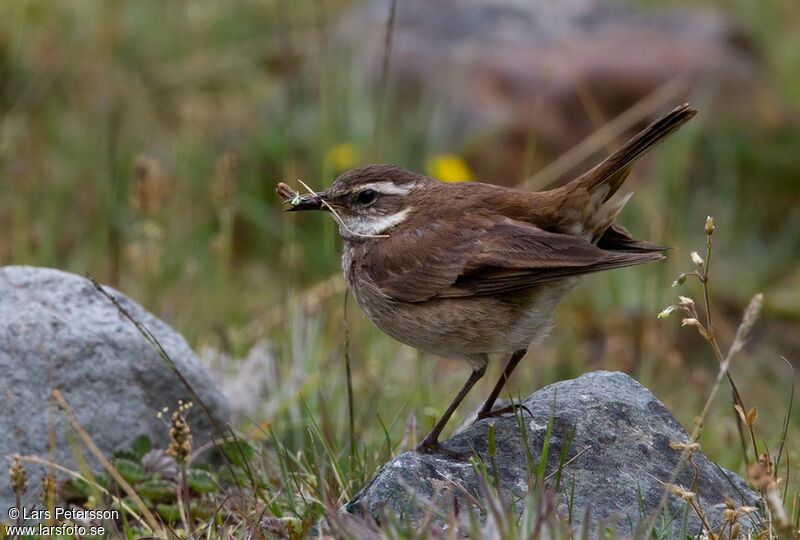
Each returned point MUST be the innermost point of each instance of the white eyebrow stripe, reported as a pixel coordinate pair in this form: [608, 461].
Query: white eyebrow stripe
[389, 188]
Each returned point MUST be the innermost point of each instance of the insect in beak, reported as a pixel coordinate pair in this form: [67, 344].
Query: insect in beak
[296, 201]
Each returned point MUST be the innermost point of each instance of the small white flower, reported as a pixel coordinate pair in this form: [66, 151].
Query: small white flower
[709, 225]
[697, 259]
[680, 280]
[667, 312]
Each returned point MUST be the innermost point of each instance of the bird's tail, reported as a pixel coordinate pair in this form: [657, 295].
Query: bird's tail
[584, 208]
[606, 178]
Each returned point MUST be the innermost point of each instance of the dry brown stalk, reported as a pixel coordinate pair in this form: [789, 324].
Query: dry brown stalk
[69, 412]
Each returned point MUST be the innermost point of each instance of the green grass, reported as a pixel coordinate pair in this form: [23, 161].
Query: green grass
[87, 88]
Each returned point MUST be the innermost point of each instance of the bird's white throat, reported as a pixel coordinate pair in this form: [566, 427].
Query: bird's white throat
[373, 225]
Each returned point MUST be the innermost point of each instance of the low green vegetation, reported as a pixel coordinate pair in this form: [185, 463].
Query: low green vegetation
[142, 141]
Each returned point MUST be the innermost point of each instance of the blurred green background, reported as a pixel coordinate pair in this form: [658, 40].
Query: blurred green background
[141, 141]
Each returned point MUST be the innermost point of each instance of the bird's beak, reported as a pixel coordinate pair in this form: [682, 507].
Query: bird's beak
[308, 201]
[296, 201]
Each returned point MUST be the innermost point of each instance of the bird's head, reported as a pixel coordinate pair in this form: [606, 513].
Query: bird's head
[369, 201]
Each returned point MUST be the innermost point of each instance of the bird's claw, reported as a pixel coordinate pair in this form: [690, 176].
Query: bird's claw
[514, 407]
[435, 447]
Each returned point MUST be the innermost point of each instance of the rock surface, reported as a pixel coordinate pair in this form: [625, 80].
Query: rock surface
[506, 77]
[57, 331]
[622, 436]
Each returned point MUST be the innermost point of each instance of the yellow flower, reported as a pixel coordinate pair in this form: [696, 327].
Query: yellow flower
[449, 168]
[342, 157]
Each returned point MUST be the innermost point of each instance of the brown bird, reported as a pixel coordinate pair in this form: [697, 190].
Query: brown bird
[470, 269]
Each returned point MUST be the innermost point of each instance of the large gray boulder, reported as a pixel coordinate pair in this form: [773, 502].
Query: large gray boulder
[621, 451]
[58, 331]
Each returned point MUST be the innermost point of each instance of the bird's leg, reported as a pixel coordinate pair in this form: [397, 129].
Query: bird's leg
[430, 443]
[486, 410]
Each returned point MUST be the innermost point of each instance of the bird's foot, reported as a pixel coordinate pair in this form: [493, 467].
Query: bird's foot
[514, 407]
[433, 446]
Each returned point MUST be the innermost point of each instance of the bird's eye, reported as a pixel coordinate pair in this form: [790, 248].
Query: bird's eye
[366, 196]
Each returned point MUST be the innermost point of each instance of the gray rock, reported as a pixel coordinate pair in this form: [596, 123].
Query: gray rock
[57, 331]
[622, 436]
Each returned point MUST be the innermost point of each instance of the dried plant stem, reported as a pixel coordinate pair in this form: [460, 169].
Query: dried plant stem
[687, 306]
[691, 496]
[566, 463]
[349, 380]
[702, 515]
[182, 493]
[686, 454]
[712, 339]
[69, 412]
[723, 372]
[784, 432]
[50, 464]
[751, 313]
[51, 454]
[323, 71]
[153, 341]
[206, 447]
[383, 84]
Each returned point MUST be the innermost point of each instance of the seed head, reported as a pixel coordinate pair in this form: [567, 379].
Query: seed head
[180, 438]
[692, 321]
[749, 319]
[48, 491]
[19, 476]
[679, 446]
[184, 406]
[759, 474]
[150, 187]
[680, 280]
[678, 491]
[709, 225]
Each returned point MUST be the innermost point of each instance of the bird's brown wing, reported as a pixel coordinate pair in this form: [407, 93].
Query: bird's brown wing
[451, 260]
[617, 238]
[516, 256]
[416, 264]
